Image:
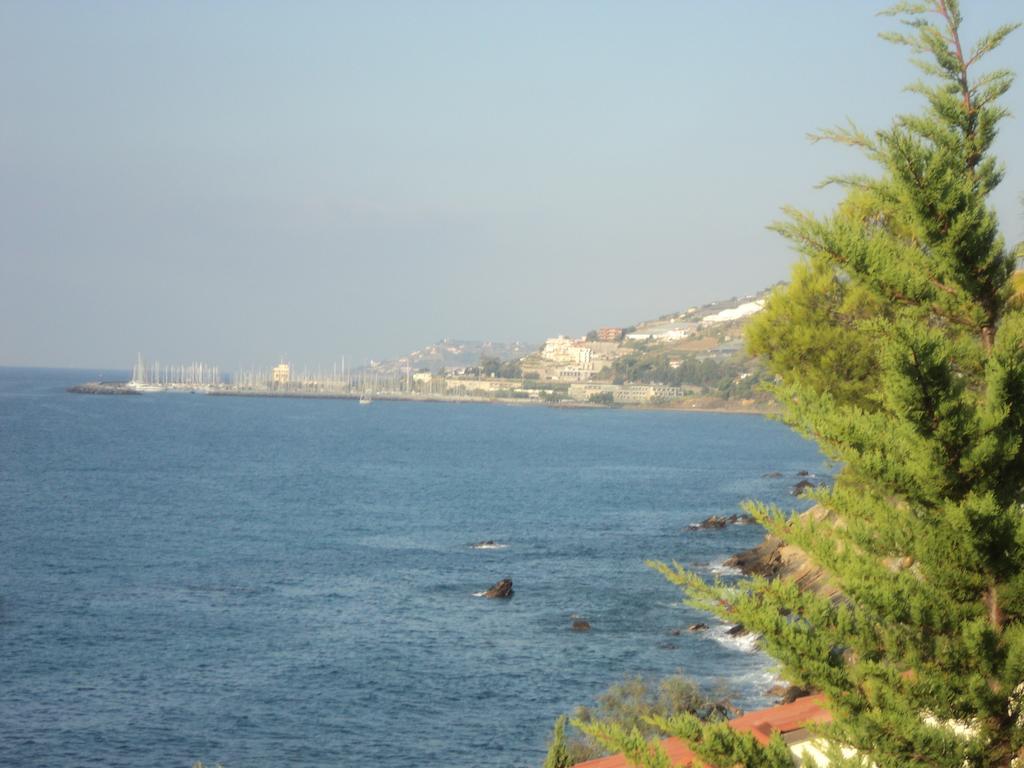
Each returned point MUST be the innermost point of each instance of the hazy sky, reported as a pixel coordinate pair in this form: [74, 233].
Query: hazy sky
[236, 181]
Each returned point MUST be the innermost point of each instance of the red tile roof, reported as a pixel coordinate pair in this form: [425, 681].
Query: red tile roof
[760, 724]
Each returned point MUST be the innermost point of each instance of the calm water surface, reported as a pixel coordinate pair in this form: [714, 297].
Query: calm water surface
[270, 582]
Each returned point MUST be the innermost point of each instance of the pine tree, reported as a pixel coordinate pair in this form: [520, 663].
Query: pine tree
[899, 349]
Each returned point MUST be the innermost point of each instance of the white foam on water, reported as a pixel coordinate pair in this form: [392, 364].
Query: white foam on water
[756, 683]
[495, 545]
[719, 568]
[747, 643]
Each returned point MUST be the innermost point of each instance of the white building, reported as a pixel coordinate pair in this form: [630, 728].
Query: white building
[558, 349]
[281, 374]
[727, 315]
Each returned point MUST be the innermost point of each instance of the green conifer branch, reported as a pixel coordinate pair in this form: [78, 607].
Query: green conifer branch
[899, 348]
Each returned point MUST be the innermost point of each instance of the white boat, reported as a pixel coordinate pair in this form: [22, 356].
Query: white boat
[365, 400]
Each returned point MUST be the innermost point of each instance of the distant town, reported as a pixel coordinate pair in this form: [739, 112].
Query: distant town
[690, 359]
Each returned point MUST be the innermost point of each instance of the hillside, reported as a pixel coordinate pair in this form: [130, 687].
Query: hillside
[690, 358]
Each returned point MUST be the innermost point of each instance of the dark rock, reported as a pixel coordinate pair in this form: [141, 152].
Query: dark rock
[721, 521]
[719, 710]
[736, 631]
[772, 475]
[802, 486]
[580, 625]
[795, 692]
[803, 473]
[762, 560]
[785, 693]
[668, 646]
[696, 627]
[503, 589]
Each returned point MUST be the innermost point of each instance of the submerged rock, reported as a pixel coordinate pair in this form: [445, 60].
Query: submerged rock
[503, 589]
[772, 475]
[580, 625]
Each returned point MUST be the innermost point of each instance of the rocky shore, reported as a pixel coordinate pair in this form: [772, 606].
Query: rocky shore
[774, 559]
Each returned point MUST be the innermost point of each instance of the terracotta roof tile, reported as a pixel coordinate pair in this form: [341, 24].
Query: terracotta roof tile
[760, 724]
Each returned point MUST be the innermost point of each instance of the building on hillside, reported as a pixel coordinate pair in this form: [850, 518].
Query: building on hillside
[648, 393]
[583, 392]
[581, 355]
[481, 387]
[639, 336]
[609, 334]
[559, 349]
[281, 374]
[574, 373]
[664, 332]
[788, 720]
[735, 313]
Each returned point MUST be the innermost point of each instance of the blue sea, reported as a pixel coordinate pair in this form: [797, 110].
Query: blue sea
[282, 582]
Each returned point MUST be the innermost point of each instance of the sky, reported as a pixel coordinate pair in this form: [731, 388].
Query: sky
[243, 182]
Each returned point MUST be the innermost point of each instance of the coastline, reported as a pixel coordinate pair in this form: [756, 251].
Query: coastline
[691, 405]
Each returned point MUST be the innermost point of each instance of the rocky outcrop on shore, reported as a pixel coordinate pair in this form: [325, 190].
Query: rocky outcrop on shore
[773, 559]
[784, 693]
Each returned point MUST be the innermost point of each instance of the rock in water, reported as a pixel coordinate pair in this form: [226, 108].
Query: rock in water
[503, 589]
[802, 486]
[720, 521]
[580, 625]
[697, 627]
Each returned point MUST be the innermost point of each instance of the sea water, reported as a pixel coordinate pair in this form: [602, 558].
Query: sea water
[272, 582]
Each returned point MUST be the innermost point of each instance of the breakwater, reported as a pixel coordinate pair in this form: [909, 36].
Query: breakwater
[104, 388]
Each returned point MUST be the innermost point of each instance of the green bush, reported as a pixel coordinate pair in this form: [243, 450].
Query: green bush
[630, 704]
